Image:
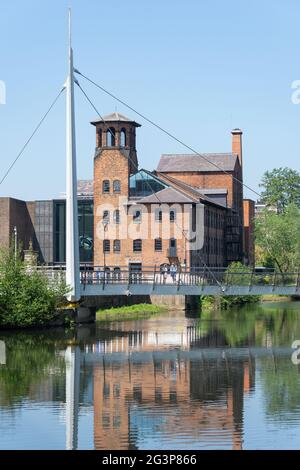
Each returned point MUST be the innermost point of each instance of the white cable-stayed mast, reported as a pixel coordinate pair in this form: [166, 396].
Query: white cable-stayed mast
[72, 237]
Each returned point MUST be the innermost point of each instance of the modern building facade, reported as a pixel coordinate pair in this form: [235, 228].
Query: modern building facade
[189, 211]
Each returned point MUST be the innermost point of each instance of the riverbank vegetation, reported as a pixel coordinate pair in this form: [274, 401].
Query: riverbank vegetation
[27, 297]
[277, 227]
[130, 312]
[236, 274]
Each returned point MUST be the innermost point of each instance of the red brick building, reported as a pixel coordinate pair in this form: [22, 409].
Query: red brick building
[188, 212]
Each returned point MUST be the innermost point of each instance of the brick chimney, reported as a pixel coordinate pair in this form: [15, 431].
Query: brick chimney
[237, 143]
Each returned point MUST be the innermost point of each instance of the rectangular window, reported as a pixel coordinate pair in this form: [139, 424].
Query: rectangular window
[117, 246]
[158, 244]
[137, 245]
[117, 216]
[106, 246]
[105, 186]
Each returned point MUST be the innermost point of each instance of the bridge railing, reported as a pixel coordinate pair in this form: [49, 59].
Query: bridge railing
[100, 275]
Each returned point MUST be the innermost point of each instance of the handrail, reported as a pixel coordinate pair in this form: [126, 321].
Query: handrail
[202, 277]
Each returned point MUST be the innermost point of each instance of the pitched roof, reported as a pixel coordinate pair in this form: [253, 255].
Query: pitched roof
[213, 190]
[168, 196]
[114, 117]
[195, 193]
[193, 162]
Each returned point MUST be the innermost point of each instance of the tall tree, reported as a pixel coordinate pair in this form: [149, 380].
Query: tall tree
[278, 236]
[281, 187]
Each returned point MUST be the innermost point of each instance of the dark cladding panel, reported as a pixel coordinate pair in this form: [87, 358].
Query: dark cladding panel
[44, 230]
[86, 229]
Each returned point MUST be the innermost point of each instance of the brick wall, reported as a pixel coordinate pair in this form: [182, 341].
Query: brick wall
[249, 248]
[4, 221]
[16, 213]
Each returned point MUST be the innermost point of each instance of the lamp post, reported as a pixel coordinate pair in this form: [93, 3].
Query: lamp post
[16, 241]
[185, 234]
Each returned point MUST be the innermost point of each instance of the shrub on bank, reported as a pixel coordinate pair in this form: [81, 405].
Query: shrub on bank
[27, 297]
[236, 274]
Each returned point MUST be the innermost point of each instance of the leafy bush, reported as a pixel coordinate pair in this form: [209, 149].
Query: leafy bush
[27, 297]
[236, 274]
[240, 275]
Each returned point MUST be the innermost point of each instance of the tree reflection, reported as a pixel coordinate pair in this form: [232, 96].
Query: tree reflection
[270, 325]
[29, 358]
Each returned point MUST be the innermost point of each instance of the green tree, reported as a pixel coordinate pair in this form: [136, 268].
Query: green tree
[238, 274]
[27, 297]
[281, 187]
[278, 236]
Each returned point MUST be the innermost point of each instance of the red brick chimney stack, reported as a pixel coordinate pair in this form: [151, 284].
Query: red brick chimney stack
[237, 144]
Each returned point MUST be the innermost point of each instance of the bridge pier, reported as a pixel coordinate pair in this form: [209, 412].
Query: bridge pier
[85, 314]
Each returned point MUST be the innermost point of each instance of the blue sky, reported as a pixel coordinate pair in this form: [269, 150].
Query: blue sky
[198, 68]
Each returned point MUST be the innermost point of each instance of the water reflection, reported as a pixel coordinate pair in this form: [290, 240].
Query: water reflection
[224, 381]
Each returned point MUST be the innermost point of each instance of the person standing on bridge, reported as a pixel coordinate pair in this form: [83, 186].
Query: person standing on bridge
[165, 273]
[173, 271]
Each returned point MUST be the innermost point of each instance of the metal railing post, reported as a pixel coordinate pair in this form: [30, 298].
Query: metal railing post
[154, 276]
[298, 280]
[274, 281]
[251, 279]
[203, 278]
[179, 275]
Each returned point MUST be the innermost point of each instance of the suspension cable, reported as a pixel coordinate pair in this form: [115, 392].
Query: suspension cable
[31, 137]
[169, 134]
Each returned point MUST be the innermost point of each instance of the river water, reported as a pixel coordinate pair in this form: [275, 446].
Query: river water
[219, 381]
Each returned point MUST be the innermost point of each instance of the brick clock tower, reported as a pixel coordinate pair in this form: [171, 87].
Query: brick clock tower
[115, 160]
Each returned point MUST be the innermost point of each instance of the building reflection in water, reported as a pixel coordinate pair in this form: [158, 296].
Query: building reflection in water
[150, 393]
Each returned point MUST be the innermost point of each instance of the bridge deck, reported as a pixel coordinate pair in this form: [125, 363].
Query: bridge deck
[216, 281]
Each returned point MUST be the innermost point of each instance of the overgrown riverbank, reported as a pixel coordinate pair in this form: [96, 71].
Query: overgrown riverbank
[209, 302]
[130, 312]
[236, 274]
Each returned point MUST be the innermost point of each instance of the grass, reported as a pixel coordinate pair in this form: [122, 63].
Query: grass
[276, 298]
[129, 312]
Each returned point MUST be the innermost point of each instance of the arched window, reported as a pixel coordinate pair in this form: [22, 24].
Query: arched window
[117, 186]
[117, 216]
[172, 216]
[99, 138]
[123, 139]
[158, 215]
[105, 186]
[111, 137]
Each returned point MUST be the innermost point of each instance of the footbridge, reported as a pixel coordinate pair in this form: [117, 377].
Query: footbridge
[110, 281]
